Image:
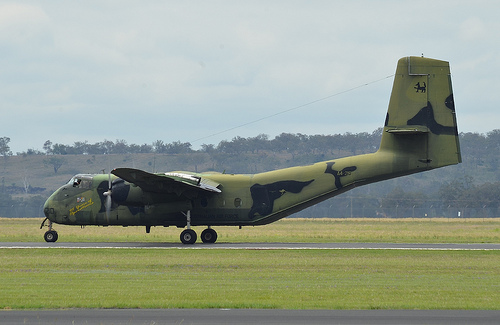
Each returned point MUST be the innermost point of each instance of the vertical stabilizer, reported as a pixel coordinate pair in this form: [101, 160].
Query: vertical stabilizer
[420, 127]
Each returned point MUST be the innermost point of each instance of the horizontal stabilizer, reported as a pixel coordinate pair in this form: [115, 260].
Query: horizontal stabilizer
[409, 130]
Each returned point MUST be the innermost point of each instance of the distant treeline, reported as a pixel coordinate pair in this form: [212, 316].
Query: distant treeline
[477, 145]
[350, 142]
[477, 149]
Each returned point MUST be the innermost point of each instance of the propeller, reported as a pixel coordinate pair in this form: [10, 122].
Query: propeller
[107, 194]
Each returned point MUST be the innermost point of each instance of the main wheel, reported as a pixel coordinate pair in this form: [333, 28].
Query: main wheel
[209, 236]
[188, 236]
[50, 236]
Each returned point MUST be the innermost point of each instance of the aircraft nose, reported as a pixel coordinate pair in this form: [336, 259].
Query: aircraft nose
[48, 209]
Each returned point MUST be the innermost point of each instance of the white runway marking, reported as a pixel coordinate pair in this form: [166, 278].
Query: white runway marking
[254, 246]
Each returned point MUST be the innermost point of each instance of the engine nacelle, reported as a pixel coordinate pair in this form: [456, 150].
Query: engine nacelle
[124, 193]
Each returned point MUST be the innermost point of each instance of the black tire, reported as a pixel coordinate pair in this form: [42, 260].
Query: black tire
[50, 236]
[208, 236]
[188, 236]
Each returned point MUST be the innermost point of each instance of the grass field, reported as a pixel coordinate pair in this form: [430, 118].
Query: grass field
[303, 279]
[292, 279]
[285, 230]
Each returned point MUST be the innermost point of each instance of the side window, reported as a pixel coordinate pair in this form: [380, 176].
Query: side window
[86, 183]
[81, 182]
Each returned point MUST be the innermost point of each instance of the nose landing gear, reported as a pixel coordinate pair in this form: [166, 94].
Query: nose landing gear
[50, 235]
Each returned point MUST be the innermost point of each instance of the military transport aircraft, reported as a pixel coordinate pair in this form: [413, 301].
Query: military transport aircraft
[420, 133]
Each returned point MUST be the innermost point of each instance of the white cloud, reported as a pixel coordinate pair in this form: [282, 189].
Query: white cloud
[20, 14]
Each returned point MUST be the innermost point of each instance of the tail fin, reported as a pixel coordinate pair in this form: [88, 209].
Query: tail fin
[420, 127]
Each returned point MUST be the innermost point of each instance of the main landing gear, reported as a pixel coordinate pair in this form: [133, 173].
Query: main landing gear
[188, 236]
[50, 235]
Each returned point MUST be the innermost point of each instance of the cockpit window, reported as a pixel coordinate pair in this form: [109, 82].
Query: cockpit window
[81, 181]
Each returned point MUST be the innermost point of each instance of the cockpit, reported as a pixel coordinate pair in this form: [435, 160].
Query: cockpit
[83, 181]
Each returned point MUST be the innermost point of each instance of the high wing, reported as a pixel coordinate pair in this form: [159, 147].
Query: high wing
[175, 182]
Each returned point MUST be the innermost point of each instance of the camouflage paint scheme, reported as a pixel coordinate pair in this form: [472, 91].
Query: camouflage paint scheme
[420, 133]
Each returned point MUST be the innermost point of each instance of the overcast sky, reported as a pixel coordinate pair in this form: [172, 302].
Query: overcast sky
[199, 71]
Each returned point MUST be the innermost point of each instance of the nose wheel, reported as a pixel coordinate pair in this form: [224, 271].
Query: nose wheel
[50, 235]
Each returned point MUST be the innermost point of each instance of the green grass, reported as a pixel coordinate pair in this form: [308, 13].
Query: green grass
[286, 230]
[297, 279]
[292, 279]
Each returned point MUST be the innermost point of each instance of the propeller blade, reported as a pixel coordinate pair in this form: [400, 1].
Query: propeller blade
[109, 201]
[108, 207]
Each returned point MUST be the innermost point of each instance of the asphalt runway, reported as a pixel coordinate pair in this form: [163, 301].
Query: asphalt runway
[247, 316]
[402, 246]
